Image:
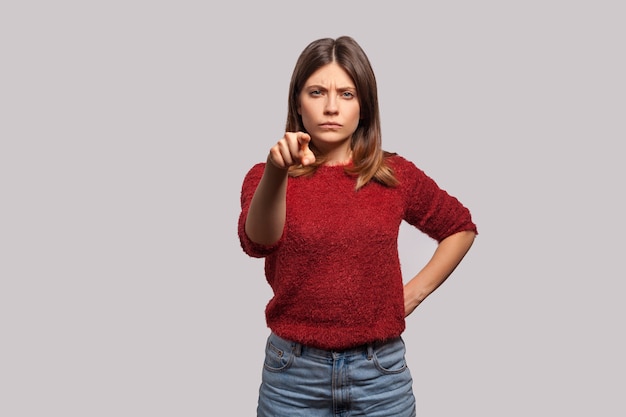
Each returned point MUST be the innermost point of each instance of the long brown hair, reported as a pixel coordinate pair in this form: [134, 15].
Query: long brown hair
[368, 157]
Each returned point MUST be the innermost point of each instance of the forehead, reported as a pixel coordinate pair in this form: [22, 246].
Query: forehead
[330, 74]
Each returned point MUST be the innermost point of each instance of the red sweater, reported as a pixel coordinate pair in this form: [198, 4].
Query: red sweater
[335, 272]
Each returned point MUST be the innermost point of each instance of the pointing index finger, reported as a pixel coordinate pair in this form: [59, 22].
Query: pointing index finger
[306, 155]
[303, 141]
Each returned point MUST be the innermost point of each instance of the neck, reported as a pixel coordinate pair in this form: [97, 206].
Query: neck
[339, 156]
[332, 163]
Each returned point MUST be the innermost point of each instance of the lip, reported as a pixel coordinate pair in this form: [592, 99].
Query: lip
[330, 125]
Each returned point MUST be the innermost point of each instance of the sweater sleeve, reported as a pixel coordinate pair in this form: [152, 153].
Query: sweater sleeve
[430, 208]
[250, 183]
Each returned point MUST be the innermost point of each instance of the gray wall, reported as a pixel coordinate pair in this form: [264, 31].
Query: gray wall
[126, 130]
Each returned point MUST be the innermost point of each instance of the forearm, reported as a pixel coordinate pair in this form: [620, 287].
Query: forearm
[444, 261]
[266, 215]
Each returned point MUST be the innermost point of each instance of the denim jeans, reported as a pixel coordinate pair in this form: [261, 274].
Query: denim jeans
[299, 381]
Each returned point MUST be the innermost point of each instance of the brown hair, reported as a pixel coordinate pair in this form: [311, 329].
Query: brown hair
[368, 157]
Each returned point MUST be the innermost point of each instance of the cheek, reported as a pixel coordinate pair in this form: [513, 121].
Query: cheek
[307, 112]
[305, 115]
[355, 117]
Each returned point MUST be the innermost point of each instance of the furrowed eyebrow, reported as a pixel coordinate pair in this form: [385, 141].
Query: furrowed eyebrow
[321, 87]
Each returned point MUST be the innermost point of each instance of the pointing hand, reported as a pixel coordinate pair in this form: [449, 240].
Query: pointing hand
[292, 149]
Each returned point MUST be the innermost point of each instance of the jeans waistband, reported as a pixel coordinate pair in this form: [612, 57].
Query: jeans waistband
[300, 349]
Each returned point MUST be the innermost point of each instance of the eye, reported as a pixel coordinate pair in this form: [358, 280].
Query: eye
[315, 92]
[347, 94]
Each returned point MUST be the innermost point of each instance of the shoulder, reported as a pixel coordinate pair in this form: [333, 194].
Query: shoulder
[256, 171]
[411, 177]
[252, 178]
[402, 167]
[397, 161]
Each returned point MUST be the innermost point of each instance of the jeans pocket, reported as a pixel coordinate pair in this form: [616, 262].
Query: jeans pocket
[277, 359]
[389, 358]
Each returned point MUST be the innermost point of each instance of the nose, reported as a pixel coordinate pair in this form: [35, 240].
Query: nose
[331, 106]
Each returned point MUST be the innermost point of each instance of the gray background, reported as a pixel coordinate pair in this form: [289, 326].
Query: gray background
[126, 128]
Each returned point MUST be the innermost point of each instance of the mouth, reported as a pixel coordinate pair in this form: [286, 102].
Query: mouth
[330, 125]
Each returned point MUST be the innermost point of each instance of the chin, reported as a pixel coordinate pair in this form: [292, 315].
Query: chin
[331, 137]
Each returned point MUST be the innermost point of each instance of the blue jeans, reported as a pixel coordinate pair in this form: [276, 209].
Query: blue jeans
[299, 381]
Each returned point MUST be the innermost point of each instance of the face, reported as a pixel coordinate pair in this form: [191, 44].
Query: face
[330, 109]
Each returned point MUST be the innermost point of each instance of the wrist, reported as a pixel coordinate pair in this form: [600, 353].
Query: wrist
[270, 163]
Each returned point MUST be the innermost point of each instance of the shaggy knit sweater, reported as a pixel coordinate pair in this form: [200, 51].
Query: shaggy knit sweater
[335, 272]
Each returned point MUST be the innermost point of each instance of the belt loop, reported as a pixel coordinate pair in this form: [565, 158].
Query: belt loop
[370, 351]
[296, 348]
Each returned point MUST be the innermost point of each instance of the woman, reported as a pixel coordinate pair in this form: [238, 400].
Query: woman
[324, 211]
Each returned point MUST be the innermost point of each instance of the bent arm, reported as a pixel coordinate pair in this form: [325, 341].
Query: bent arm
[266, 216]
[267, 213]
[444, 261]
